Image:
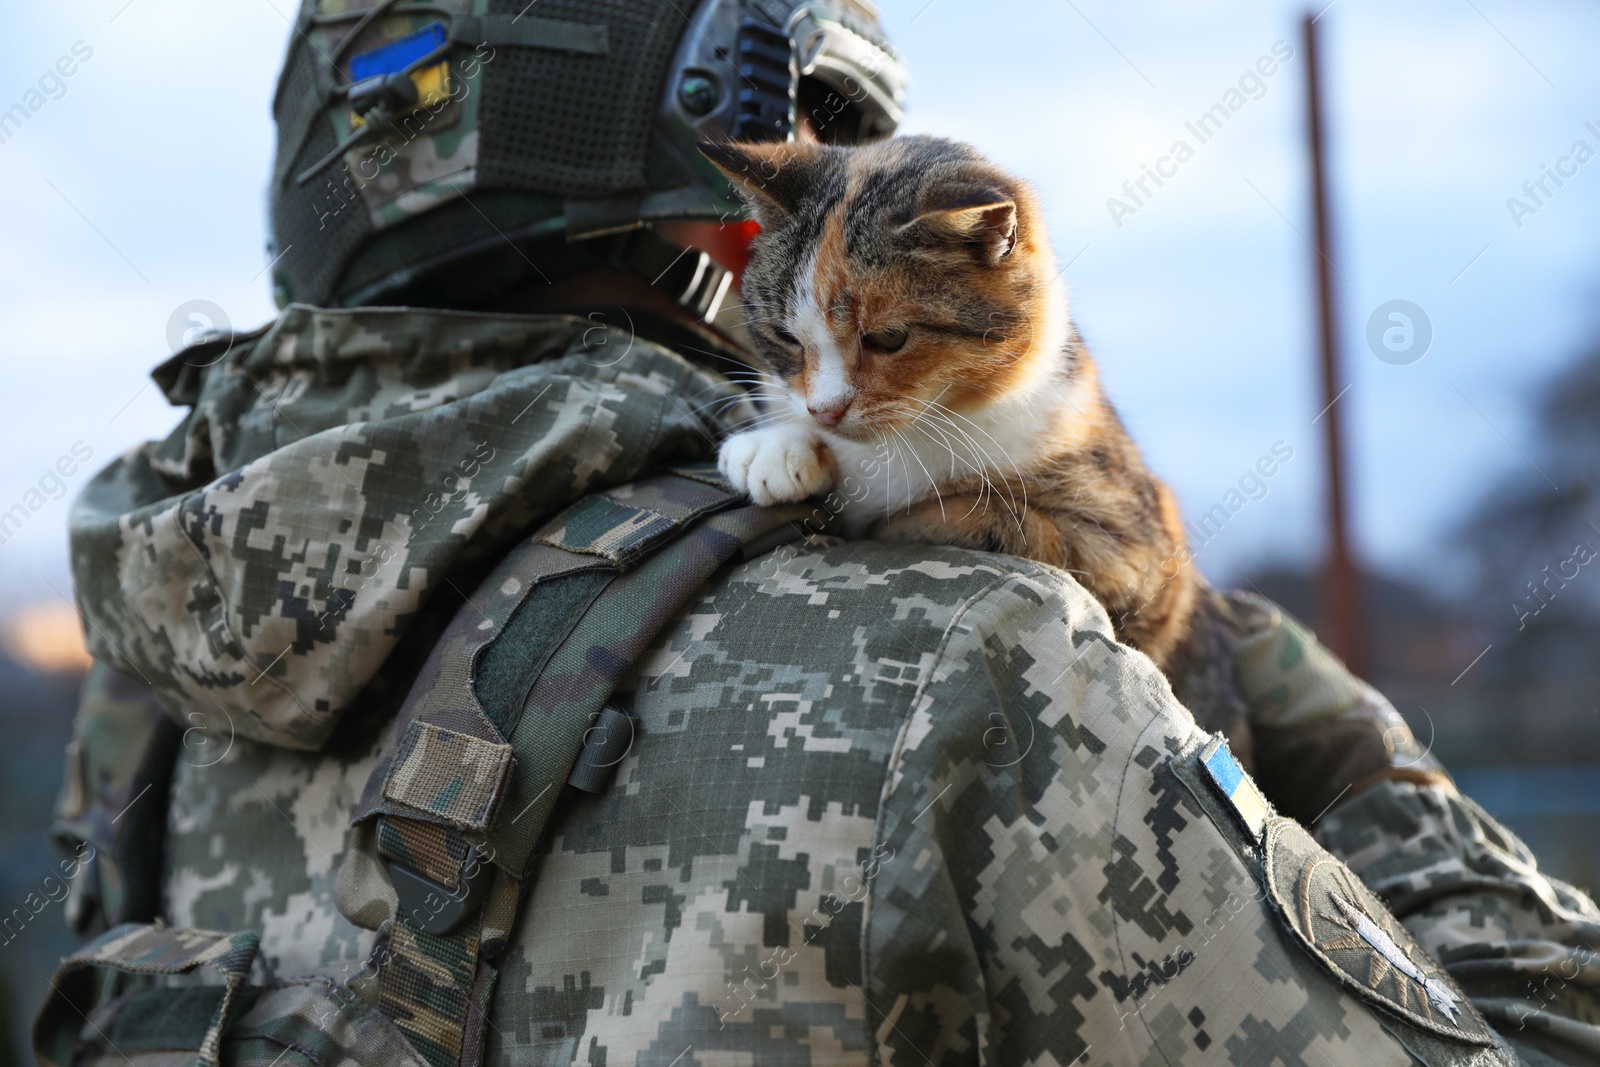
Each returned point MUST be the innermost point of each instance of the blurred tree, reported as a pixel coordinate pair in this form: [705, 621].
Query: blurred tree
[1535, 541]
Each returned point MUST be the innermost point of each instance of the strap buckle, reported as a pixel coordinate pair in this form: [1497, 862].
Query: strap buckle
[432, 907]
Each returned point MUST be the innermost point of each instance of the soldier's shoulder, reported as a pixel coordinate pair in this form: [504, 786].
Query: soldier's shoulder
[881, 632]
[907, 584]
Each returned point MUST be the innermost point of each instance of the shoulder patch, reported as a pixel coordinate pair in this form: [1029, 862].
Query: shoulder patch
[1344, 926]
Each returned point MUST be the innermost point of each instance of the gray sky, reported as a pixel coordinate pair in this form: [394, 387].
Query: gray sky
[141, 187]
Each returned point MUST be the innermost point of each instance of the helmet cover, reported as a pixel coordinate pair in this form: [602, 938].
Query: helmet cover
[414, 137]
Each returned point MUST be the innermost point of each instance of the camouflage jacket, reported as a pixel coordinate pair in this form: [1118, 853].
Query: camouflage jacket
[886, 803]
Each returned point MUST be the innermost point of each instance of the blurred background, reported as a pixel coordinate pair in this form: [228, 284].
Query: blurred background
[135, 186]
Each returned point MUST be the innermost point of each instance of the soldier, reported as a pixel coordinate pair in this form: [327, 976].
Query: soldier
[449, 709]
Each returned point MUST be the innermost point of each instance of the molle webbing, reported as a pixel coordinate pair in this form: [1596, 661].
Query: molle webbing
[134, 948]
[510, 698]
[600, 146]
[110, 1006]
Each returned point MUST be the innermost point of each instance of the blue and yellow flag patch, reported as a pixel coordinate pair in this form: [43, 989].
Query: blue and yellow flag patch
[1236, 786]
[432, 82]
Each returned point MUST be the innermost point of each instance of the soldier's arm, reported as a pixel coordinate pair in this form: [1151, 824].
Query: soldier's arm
[1057, 883]
[1524, 946]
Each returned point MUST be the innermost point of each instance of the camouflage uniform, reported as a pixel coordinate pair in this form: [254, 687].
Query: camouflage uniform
[885, 803]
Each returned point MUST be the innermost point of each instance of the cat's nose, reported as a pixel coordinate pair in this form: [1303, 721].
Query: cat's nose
[831, 414]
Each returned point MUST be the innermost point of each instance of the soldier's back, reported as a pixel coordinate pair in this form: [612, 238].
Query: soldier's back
[883, 803]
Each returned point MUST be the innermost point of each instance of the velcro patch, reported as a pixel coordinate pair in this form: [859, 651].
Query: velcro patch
[601, 526]
[449, 774]
[1235, 786]
[1346, 928]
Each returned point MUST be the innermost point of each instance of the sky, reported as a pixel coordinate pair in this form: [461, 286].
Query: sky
[138, 187]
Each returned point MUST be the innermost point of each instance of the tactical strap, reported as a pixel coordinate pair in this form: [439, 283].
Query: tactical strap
[510, 706]
[436, 988]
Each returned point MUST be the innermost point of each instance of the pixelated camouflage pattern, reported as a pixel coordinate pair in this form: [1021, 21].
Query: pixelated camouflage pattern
[933, 824]
[435, 984]
[886, 803]
[584, 662]
[590, 663]
[1524, 946]
[208, 563]
[255, 839]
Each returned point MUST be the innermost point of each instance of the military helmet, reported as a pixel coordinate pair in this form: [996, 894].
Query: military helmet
[464, 146]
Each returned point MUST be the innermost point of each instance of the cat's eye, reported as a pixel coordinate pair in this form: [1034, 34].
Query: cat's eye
[891, 339]
[786, 337]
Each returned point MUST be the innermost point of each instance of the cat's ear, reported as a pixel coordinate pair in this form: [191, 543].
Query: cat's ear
[772, 176]
[980, 215]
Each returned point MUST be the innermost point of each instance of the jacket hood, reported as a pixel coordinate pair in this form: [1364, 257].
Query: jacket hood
[336, 470]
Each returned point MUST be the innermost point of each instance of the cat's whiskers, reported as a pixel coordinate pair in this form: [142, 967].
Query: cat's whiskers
[920, 421]
[947, 432]
[936, 398]
[742, 394]
[936, 416]
[761, 416]
[932, 481]
[925, 421]
[974, 464]
[927, 430]
[1021, 481]
[721, 393]
[754, 419]
[912, 413]
[741, 397]
[894, 453]
[741, 364]
[988, 489]
[759, 419]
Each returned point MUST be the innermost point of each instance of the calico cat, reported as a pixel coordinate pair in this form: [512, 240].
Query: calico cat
[913, 320]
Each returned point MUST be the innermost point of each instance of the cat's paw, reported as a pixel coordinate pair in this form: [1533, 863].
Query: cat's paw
[777, 464]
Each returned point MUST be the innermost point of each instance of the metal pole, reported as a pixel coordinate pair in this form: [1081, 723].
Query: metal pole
[1341, 593]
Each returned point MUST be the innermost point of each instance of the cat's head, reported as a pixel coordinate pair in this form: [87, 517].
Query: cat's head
[895, 278]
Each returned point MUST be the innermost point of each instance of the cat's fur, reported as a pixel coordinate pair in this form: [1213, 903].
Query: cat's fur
[905, 299]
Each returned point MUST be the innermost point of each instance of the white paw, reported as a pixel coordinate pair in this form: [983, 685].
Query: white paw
[777, 464]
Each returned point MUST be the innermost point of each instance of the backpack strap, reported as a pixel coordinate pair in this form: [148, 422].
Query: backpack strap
[510, 707]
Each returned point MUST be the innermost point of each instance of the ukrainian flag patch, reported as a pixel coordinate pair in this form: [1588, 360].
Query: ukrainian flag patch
[433, 82]
[1236, 786]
